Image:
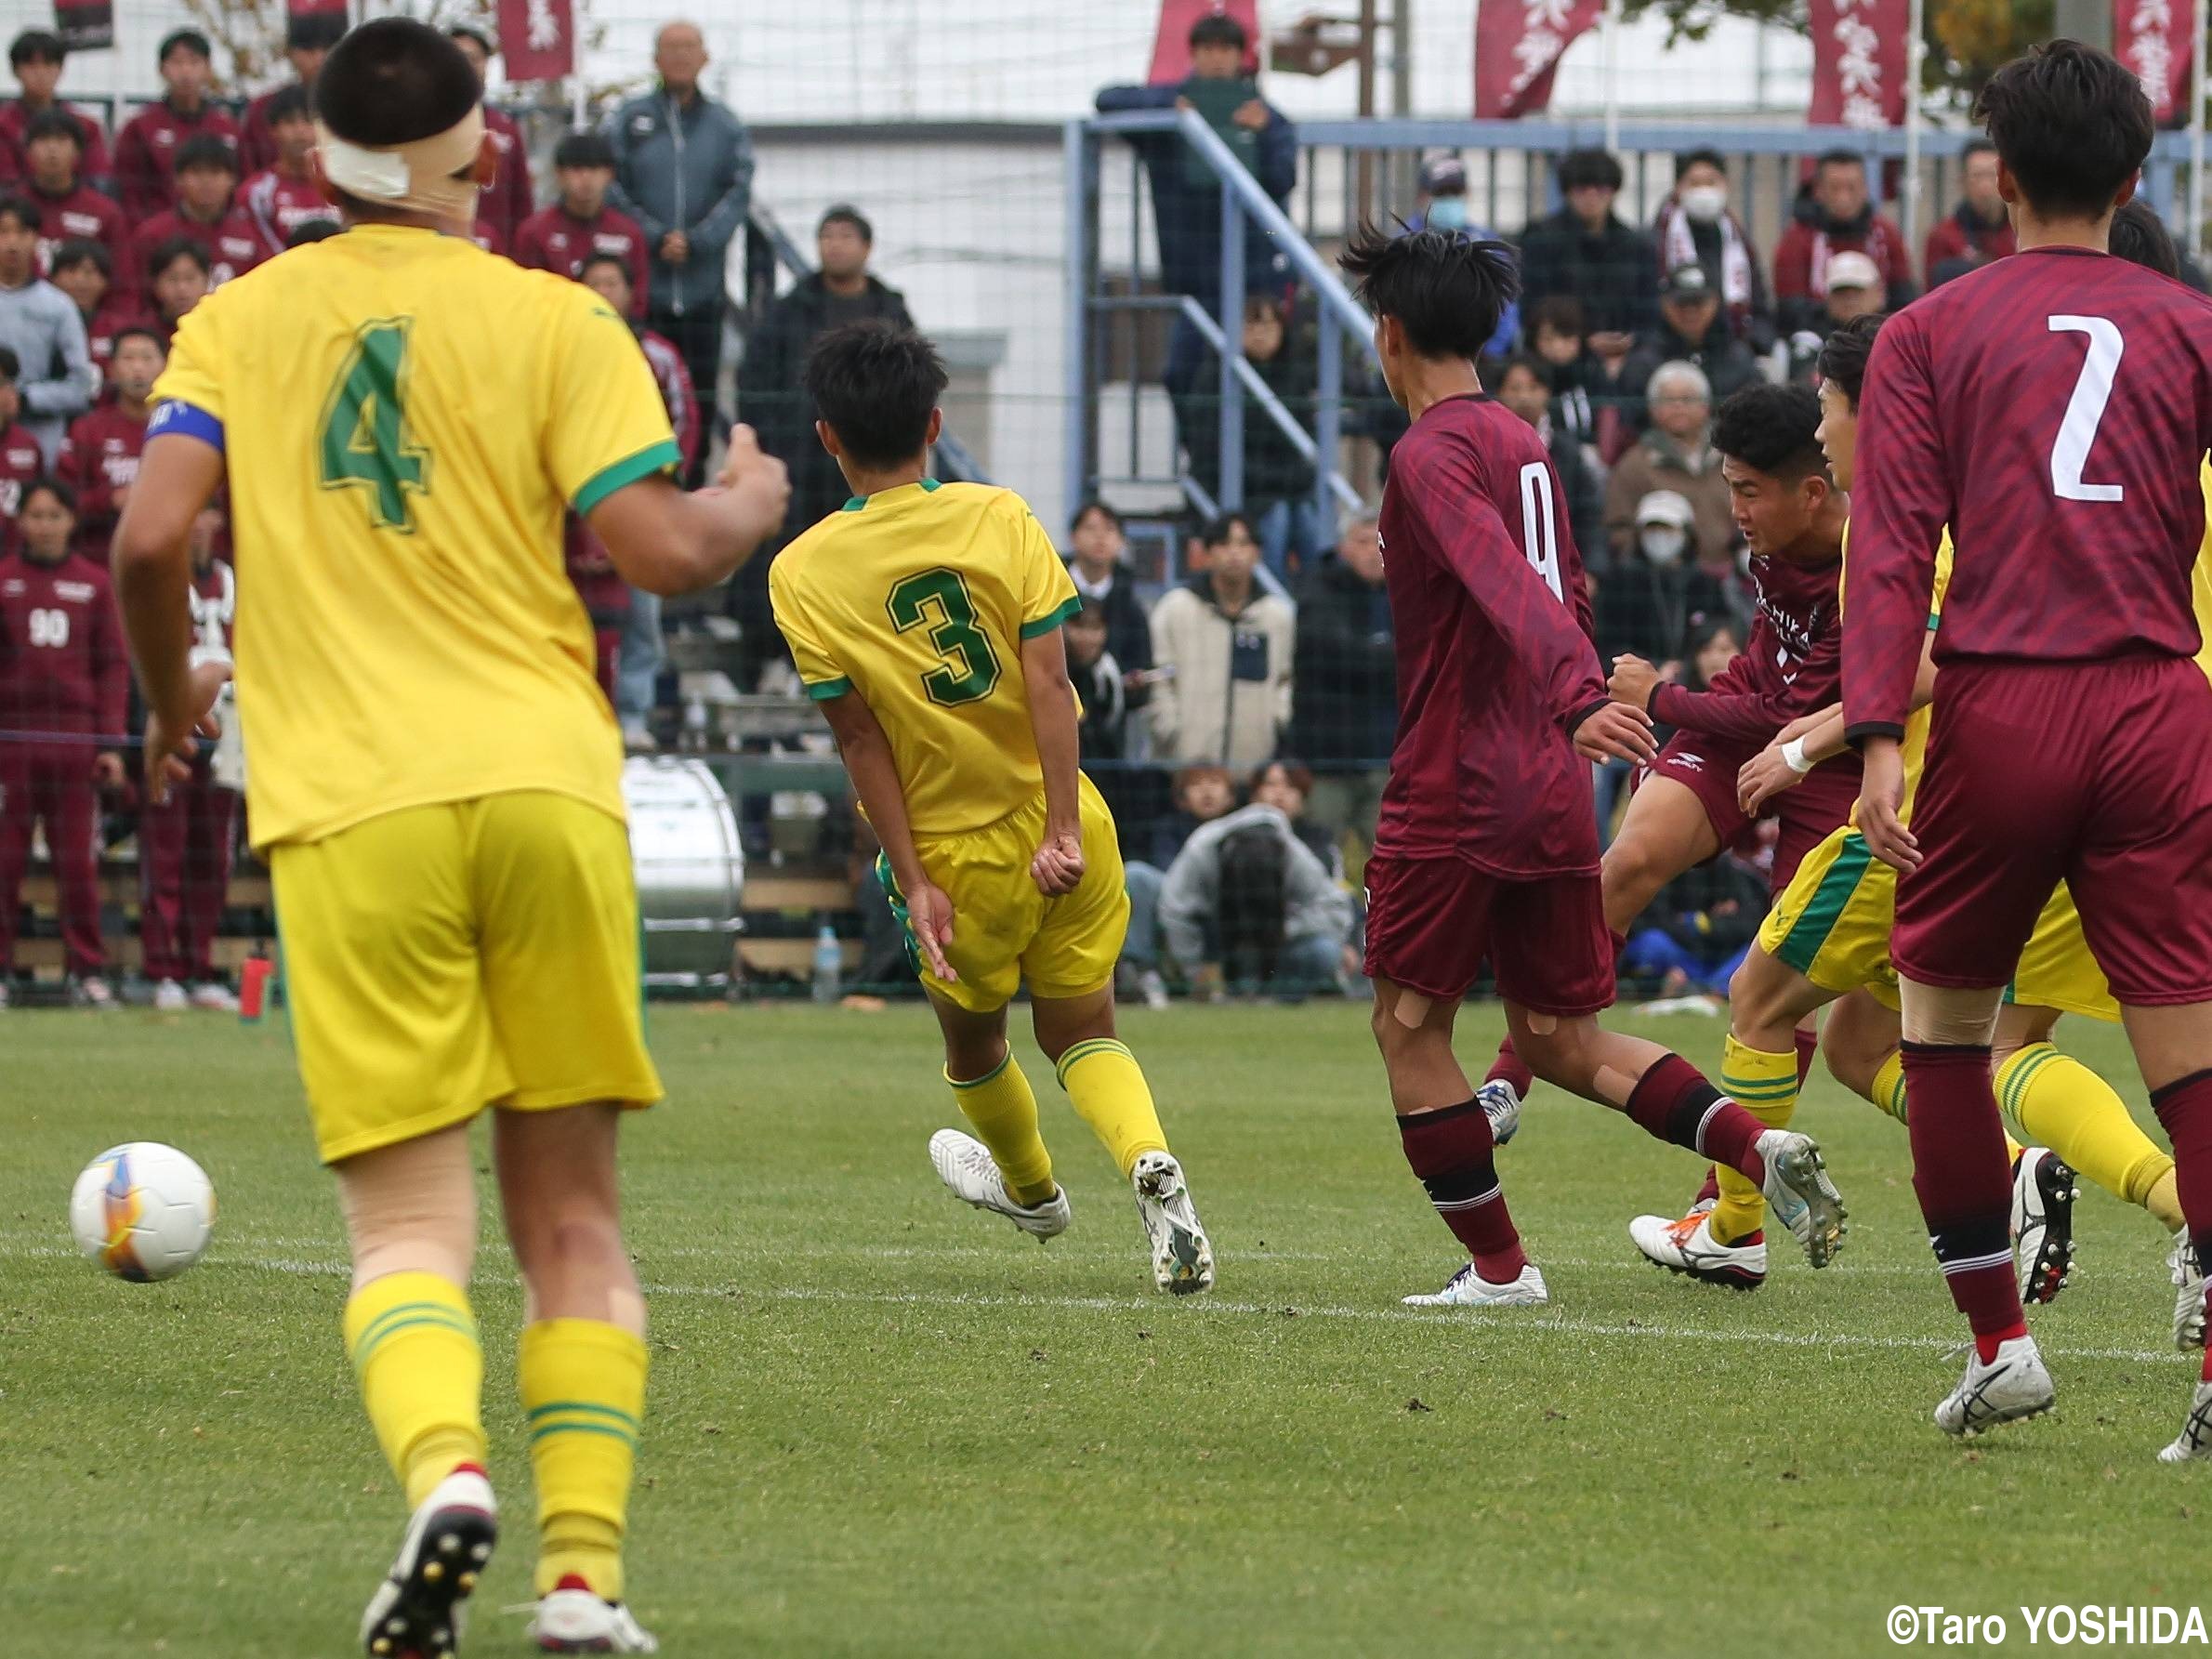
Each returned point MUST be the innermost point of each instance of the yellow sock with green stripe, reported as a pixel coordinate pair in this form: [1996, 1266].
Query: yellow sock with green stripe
[582, 1387]
[1002, 1109]
[1887, 1092]
[1109, 1091]
[2059, 1102]
[1766, 1085]
[414, 1345]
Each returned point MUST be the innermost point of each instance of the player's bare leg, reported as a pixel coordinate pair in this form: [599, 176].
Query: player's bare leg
[1448, 1141]
[1004, 1167]
[410, 1212]
[1109, 1091]
[1722, 1242]
[1671, 1099]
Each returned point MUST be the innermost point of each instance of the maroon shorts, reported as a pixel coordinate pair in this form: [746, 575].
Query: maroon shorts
[2096, 774]
[1806, 815]
[1434, 922]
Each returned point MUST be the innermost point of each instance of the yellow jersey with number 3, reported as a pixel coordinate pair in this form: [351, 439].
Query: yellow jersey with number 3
[403, 418]
[919, 598]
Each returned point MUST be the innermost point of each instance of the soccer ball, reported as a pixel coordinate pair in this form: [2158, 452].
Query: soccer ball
[143, 1211]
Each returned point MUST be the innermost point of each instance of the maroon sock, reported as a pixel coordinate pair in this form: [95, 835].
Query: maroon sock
[1710, 1191]
[1674, 1102]
[1511, 1067]
[1451, 1151]
[1965, 1184]
[2185, 1108]
[1809, 1044]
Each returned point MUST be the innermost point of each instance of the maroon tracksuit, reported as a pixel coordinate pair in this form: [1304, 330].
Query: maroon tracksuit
[16, 118]
[117, 311]
[63, 675]
[557, 239]
[146, 154]
[100, 457]
[232, 243]
[605, 594]
[21, 461]
[184, 844]
[85, 212]
[507, 202]
[279, 205]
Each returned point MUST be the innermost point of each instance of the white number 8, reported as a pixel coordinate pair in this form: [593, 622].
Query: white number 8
[1538, 537]
[49, 628]
[2084, 410]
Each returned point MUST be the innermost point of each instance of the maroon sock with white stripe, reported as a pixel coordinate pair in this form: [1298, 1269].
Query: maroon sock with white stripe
[1511, 1067]
[1451, 1152]
[2184, 1107]
[1674, 1102]
[1964, 1181]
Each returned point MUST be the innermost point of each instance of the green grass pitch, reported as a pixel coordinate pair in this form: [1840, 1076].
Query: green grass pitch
[882, 1423]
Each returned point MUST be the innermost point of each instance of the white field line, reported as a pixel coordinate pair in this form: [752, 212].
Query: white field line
[1219, 1308]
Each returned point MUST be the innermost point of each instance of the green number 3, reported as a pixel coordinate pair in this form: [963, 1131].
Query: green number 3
[363, 439]
[938, 600]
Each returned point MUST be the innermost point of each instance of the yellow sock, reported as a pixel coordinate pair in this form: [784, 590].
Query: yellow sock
[1003, 1110]
[2163, 1200]
[583, 1387]
[2059, 1101]
[1110, 1093]
[1766, 1085]
[414, 1345]
[1887, 1092]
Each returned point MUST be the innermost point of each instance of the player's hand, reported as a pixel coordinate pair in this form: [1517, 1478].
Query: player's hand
[107, 769]
[1252, 115]
[1763, 777]
[1617, 732]
[1632, 680]
[929, 918]
[760, 479]
[1802, 726]
[675, 248]
[1881, 792]
[1058, 867]
[169, 751]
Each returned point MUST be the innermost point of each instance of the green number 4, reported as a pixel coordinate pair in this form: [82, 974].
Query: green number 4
[938, 600]
[363, 441]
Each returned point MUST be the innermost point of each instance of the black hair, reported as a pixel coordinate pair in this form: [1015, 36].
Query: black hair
[205, 150]
[844, 213]
[78, 249]
[307, 231]
[1521, 359]
[52, 486]
[2139, 237]
[603, 258]
[1770, 428]
[1561, 313]
[1844, 351]
[876, 384]
[2071, 124]
[1838, 158]
[1705, 153]
[139, 331]
[37, 46]
[192, 40]
[393, 80]
[167, 252]
[290, 103]
[1218, 28]
[314, 34]
[54, 124]
[1579, 167]
[1977, 146]
[10, 364]
[1704, 631]
[583, 150]
[1218, 529]
[1094, 505]
[1447, 291]
[1091, 615]
[23, 211]
[460, 31]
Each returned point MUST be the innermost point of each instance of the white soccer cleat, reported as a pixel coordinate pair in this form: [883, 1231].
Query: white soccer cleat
[215, 997]
[1799, 1192]
[1182, 1254]
[2009, 1388]
[170, 999]
[2189, 1293]
[1469, 1289]
[964, 1164]
[415, 1611]
[572, 1620]
[2194, 1442]
[2043, 1195]
[1688, 1247]
[1501, 1105]
[91, 992]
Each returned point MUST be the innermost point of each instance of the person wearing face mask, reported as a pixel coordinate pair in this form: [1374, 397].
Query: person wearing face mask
[1442, 206]
[1697, 227]
[1674, 454]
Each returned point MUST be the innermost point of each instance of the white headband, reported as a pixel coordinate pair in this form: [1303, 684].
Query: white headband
[418, 176]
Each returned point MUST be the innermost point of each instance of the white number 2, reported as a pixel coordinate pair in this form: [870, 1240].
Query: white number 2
[2084, 410]
[1537, 535]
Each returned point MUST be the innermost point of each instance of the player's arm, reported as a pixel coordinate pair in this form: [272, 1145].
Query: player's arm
[1745, 715]
[1809, 740]
[1054, 721]
[875, 772]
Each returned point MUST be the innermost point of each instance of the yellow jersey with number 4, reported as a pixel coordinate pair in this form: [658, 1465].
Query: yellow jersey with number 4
[403, 418]
[919, 598]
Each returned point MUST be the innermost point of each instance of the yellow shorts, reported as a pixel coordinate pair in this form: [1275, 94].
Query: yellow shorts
[1004, 930]
[444, 958]
[1833, 923]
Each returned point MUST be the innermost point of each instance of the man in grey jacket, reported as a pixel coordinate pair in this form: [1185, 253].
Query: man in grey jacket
[41, 326]
[1237, 881]
[683, 169]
